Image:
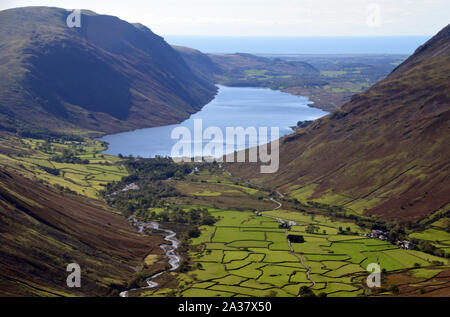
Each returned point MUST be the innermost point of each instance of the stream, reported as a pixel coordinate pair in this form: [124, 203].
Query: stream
[169, 251]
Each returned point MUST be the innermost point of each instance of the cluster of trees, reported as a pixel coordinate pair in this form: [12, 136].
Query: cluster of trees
[304, 124]
[45, 147]
[138, 202]
[305, 291]
[50, 170]
[158, 168]
[332, 209]
[311, 229]
[348, 230]
[148, 175]
[26, 131]
[68, 156]
[422, 225]
[194, 216]
[428, 247]
[296, 238]
[66, 189]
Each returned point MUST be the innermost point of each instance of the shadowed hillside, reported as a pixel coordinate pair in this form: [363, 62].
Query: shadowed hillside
[108, 75]
[42, 231]
[386, 152]
[200, 63]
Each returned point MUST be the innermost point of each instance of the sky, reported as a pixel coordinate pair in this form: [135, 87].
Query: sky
[269, 17]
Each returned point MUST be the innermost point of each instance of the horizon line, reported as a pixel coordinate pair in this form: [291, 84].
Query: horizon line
[295, 36]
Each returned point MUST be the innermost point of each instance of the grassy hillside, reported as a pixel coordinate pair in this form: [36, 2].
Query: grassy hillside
[72, 165]
[43, 230]
[108, 75]
[52, 214]
[385, 152]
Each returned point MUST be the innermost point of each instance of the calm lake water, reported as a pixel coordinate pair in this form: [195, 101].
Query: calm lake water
[232, 107]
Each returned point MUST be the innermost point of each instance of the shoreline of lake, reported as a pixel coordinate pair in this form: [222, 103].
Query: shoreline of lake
[232, 107]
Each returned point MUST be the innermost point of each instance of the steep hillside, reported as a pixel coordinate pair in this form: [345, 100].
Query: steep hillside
[200, 63]
[42, 231]
[386, 152]
[107, 75]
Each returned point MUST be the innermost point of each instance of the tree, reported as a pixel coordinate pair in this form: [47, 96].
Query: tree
[164, 216]
[194, 233]
[208, 220]
[394, 289]
[305, 291]
[272, 293]
[312, 228]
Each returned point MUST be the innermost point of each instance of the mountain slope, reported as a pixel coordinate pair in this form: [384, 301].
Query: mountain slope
[386, 152]
[108, 75]
[42, 231]
[240, 61]
[241, 69]
[200, 63]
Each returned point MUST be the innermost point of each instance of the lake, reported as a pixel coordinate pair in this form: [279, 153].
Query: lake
[232, 107]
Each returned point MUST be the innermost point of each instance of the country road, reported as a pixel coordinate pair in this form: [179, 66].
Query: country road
[277, 202]
[298, 256]
[279, 220]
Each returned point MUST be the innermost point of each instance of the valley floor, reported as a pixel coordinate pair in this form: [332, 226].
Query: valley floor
[246, 252]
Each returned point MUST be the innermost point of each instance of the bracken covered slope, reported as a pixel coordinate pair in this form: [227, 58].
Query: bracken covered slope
[42, 231]
[107, 75]
[386, 152]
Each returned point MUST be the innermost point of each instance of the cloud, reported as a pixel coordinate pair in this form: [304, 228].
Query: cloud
[268, 17]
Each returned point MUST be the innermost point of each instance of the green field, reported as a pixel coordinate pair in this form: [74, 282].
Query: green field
[245, 252]
[34, 159]
[247, 255]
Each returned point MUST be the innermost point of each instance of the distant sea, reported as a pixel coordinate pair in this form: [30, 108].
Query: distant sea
[301, 45]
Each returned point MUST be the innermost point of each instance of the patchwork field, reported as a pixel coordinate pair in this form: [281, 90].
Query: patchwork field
[244, 254]
[35, 159]
[215, 188]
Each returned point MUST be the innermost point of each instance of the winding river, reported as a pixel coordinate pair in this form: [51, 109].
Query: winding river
[169, 251]
[232, 107]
